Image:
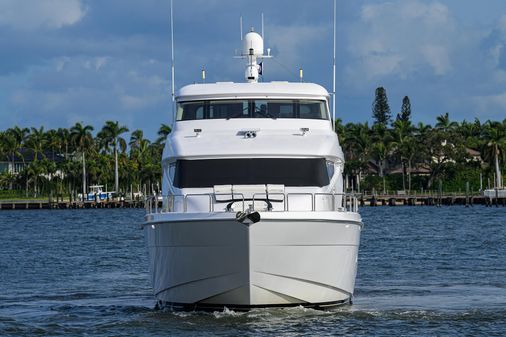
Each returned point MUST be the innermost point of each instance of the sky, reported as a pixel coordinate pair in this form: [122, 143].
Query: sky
[68, 61]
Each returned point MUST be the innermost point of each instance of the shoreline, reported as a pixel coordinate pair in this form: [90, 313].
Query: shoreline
[36, 204]
[364, 201]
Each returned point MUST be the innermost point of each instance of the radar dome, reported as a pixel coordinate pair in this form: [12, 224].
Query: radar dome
[254, 41]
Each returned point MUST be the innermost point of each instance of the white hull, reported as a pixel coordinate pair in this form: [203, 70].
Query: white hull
[210, 260]
[495, 193]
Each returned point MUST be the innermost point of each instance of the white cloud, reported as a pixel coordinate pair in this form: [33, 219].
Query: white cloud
[96, 63]
[437, 57]
[292, 44]
[33, 14]
[402, 38]
[490, 104]
[61, 62]
[502, 23]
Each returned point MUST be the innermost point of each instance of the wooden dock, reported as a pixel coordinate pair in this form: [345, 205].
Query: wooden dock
[430, 200]
[35, 204]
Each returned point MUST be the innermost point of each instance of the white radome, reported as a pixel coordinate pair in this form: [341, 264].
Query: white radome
[254, 41]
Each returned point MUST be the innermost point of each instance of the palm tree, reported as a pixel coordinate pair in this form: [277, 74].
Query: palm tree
[112, 131]
[357, 147]
[444, 124]
[37, 142]
[135, 139]
[83, 140]
[53, 142]
[340, 130]
[11, 148]
[163, 133]
[64, 140]
[494, 135]
[19, 133]
[14, 139]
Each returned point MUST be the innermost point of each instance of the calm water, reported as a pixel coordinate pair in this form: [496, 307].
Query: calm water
[422, 271]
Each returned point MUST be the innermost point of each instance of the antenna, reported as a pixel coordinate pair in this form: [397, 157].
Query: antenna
[253, 51]
[263, 26]
[240, 25]
[334, 74]
[172, 63]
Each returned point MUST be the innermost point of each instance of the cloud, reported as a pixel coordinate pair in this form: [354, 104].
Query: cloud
[437, 57]
[292, 45]
[488, 105]
[34, 14]
[401, 39]
[96, 63]
[495, 44]
[87, 88]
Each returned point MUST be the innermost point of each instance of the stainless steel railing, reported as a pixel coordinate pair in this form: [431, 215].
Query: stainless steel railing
[265, 202]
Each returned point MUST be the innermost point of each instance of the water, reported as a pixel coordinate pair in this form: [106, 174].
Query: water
[422, 271]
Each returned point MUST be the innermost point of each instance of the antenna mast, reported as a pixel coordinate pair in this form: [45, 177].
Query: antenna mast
[334, 74]
[253, 51]
[240, 24]
[263, 26]
[172, 63]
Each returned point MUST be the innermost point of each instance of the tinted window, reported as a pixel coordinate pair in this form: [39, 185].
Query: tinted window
[226, 109]
[289, 172]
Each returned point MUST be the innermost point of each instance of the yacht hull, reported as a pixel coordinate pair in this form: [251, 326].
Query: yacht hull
[211, 261]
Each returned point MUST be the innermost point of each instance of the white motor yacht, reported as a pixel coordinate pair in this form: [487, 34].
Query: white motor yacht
[253, 213]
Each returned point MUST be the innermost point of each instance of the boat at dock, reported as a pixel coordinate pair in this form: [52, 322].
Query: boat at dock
[495, 193]
[98, 194]
[253, 211]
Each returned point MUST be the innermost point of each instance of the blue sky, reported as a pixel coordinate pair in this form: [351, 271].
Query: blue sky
[64, 61]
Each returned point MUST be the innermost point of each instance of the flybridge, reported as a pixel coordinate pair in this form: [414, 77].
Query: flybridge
[240, 90]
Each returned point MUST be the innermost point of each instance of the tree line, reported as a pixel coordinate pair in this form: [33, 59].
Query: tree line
[397, 154]
[64, 161]
[392, 153]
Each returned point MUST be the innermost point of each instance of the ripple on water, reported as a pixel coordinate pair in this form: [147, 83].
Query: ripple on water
[422, 271]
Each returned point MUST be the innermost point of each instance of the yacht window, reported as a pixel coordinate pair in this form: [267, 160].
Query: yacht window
[172, 171]
[330, 169]
[191, 111]
[261, 111]
[283, 109]
[288, 172]
[226, 109]
[311, 109]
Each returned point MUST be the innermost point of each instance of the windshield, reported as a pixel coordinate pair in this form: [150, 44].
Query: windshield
[288, 172]
[226, 109]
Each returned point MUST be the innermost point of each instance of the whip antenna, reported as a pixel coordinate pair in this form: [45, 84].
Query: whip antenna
[334, 74]
[172, 63]
[240, 25]
[263, 26]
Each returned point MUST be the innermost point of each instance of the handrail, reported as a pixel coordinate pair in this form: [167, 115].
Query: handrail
[340, 202]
